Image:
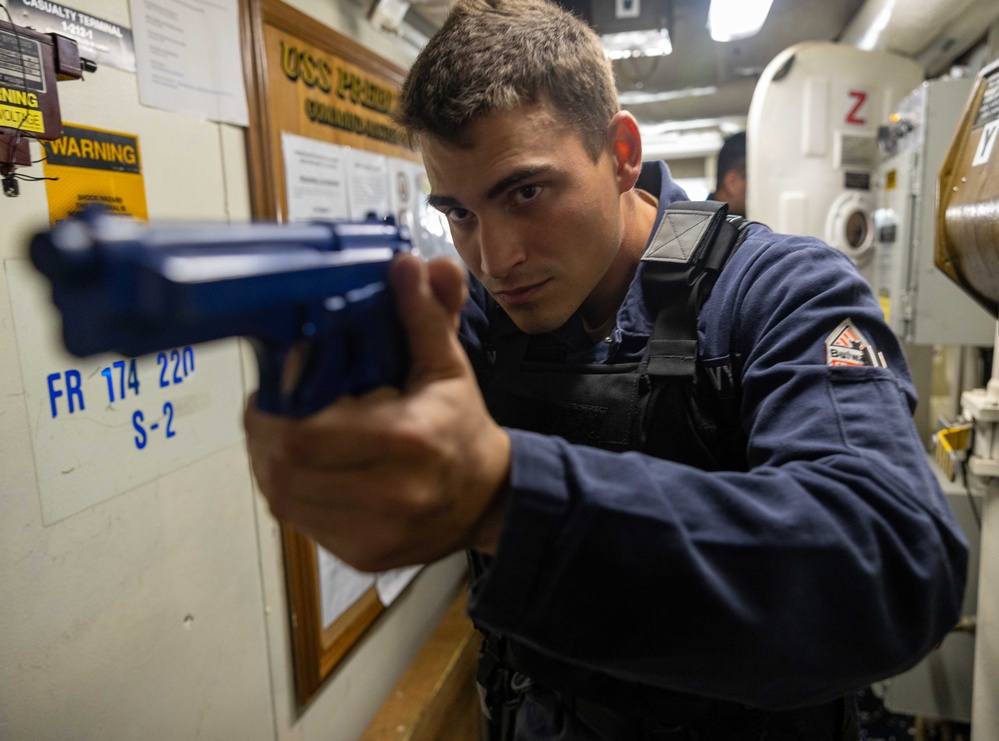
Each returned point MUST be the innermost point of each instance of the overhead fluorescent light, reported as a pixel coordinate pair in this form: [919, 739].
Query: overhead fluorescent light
[678, 145]
[634, 97]
[731, 20]
[725, 124]
[387, 15]
[628, 44]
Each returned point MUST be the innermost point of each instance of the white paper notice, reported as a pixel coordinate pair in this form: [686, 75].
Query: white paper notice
[315, 179]
[188, 57]
[401, 191]
[367, 177]
[391, 583]
[104, 425]
[340, 586]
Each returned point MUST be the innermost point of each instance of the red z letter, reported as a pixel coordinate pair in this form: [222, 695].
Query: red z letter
[861, 98]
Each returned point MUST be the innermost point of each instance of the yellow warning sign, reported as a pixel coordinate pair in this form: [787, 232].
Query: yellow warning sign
[89, 166]
[19, 118]
[19, 110]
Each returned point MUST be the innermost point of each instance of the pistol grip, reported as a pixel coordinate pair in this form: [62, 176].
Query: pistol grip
[270, 363]
[347, 348]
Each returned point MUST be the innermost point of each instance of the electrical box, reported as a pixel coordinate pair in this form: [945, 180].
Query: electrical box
[30, 65]
[920, 303]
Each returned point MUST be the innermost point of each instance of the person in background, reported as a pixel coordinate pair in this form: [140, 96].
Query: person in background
[730, 185]
[678, 449]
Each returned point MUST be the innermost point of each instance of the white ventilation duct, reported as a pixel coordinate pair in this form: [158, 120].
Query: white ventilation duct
[905, 26]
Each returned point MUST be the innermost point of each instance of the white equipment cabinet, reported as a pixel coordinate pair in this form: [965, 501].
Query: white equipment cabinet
[920, 303]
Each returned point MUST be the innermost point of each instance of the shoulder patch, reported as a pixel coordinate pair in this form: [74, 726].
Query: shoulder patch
[847, 346]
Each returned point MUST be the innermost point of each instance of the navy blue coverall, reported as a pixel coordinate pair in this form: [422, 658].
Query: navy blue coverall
[833, 562]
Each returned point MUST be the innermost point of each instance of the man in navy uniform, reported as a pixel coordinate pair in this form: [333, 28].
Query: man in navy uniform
[677, 447]
[730, 182]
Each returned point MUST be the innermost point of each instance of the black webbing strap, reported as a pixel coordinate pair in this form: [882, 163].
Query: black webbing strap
[730, 235]
[685, 231]
[672, 264]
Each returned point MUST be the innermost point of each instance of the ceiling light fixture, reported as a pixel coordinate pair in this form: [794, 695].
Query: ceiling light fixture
[731, 20]
[725, 124]
[628, 44]
[387, 15]
[637, 97]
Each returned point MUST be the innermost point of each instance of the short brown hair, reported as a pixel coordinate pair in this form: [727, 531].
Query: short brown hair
[494, 55]
[732, 156]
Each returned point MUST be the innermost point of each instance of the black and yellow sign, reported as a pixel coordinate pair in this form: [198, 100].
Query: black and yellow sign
[94, 166]
[19, 109]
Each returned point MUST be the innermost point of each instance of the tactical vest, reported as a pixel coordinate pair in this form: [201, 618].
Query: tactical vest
[664, 406]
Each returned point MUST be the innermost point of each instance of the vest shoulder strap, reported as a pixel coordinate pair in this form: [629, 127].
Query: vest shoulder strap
[686, 229]
[693, 242]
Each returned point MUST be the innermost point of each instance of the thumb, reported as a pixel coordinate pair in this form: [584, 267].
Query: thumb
[449, 283]
[428, 319]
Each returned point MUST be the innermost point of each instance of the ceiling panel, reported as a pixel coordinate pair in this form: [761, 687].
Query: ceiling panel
[706, 84]
[697, 61]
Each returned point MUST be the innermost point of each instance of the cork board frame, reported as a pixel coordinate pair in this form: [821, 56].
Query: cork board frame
[306, 79]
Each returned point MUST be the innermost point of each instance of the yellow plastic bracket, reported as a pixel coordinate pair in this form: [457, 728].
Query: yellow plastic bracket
[951, 447]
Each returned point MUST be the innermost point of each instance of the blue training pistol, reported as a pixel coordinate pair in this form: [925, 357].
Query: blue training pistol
[319, 288]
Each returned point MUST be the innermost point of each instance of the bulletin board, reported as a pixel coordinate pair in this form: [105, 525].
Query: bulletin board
[320, 112]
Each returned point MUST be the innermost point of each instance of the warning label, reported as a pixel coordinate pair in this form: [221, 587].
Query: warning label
[21, 62]
[19, 110]
[87, 166]
[99, 150]
[19, 118]
[988, 111]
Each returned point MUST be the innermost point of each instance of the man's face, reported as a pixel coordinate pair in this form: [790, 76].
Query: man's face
[739, 197]
[534, 218]
[735, 192]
